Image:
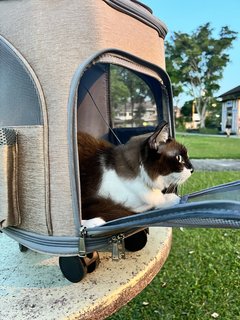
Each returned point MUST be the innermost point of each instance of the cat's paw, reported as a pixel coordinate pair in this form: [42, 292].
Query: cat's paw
[92, 223]
[171, 199]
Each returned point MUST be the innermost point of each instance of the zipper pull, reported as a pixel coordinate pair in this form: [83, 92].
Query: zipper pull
[118, 247]
[115, 251]
[82, 246]
[121, 246]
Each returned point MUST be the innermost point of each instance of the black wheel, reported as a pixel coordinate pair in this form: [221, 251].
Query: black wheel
[137, 241]
[73, 268]
[22, 248]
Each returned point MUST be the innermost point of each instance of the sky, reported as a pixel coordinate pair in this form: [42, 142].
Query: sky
[188, 15]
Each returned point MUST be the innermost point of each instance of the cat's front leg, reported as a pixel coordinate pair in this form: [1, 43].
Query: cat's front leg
[92, 223]
[171, 199]
[157, 199]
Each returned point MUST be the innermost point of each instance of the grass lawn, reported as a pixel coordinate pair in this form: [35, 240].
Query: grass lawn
[201, 147]
[200, 279]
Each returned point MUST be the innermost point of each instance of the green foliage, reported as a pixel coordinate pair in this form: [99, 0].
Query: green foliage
[125, 86]
[129, 93]
[180, 124]
[213, 116]
[195, 63]
[186, 110]
[119, 90]
[200, 278]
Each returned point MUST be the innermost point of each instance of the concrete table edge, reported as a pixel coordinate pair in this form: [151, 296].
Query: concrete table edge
[33, 287]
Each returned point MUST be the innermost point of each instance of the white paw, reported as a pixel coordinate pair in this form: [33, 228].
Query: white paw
[91, 223]
[171, 199]
[154, 198]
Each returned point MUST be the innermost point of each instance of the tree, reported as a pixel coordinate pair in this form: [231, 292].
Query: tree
[119, 90]
[213, 119]
[127, 87]
[186, 110]
[195, 63]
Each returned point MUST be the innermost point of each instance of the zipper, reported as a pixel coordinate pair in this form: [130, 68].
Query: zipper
[79, 245]
[221, 214]
[82, 245]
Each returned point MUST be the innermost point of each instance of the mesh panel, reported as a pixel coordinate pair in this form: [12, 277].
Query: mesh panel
[7, 137]
[19, 103]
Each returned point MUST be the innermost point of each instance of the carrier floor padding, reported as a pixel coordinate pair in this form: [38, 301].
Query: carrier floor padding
[33, 287]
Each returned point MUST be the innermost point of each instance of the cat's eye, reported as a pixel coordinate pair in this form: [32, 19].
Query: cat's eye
[180, 159]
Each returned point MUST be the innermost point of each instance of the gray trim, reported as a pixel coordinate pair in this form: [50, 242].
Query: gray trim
[60, 245]
[227, 191]
[227, 187]
[214, 214]
[44, 244]
[72, 113]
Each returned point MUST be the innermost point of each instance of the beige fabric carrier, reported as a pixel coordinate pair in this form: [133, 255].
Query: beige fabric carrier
[43, 44]
[60, 62]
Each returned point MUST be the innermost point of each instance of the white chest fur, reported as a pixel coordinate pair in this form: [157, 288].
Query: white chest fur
[138, 194]
[128, 192]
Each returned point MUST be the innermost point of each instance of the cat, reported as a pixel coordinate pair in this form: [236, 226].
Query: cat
[118, 181]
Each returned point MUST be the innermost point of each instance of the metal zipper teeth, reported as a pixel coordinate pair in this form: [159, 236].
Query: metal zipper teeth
[140, 15]
[110, 231]
[50, 241]
[55, 245]
[94, 241]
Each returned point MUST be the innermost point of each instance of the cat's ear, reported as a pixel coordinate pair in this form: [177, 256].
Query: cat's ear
[160, 135]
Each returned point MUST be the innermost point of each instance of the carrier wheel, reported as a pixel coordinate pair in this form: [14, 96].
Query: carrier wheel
[22, 248]
[137, 241]
[75, 268]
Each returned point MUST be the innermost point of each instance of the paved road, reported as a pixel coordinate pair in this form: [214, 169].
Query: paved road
[208, 135]
[216, 165]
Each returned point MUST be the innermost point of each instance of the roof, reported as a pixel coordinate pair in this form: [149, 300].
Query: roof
[231, 94]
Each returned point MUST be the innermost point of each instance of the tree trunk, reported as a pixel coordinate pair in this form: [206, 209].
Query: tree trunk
[203, 114]
[202, 121]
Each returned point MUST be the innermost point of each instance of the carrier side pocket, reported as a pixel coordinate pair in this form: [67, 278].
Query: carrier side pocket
[9, 207]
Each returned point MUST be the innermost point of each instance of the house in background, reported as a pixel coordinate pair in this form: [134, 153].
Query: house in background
[231, 110]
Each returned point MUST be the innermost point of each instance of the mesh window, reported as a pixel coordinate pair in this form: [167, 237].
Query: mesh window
[132, 101]
[19, 101]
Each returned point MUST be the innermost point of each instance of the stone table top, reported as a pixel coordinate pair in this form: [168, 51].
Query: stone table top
[33, 287]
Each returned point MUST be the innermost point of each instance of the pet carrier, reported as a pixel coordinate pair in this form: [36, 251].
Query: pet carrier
[69, 66]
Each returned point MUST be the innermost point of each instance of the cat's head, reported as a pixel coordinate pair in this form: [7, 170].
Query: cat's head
[165, 160]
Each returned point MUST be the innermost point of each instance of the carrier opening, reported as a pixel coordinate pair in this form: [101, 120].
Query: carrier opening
[114, 96]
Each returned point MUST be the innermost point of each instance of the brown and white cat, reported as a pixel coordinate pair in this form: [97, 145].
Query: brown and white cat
[118, 181]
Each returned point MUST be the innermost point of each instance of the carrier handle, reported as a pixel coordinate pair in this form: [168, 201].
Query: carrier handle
[143, 5]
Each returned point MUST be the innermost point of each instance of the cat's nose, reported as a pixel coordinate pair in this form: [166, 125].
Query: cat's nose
[189, 166]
